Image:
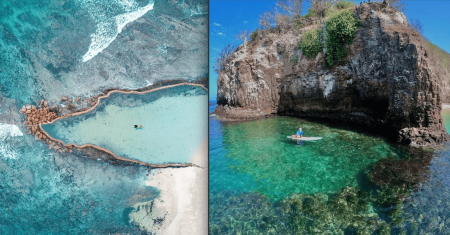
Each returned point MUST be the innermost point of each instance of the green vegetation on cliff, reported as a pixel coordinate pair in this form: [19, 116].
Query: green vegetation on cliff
[311, 43]
[340, 30]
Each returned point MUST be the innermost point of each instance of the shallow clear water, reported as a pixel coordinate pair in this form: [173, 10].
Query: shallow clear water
[428, 208]
[279, 167]
[263, 183]
[44, 192]
[446, 117]
[173, 120]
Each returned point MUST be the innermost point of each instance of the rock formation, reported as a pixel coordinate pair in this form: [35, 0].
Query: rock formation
[44, 114]
[387, 83]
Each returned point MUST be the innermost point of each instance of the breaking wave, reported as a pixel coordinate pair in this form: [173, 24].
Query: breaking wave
[111, 18]
[7, 131]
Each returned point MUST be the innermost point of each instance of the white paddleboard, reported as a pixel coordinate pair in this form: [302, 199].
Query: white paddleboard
[305, 138]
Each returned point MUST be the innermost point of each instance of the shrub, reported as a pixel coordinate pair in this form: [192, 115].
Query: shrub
[344, 5]
[298, 24]
[311, 43]
[222, 58]
[340, 30]
[254, 35]
[294, 59]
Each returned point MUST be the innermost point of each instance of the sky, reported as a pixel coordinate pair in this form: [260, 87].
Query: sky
[228, 17]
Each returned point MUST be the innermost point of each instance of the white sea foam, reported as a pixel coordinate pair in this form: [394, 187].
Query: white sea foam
[7, 131]
[110, 25]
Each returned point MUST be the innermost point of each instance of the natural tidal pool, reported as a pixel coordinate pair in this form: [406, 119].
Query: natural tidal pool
[173, 125]
[279, 167]
[263, 183]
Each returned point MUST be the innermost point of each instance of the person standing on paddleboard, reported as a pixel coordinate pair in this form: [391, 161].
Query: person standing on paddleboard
[299, 135]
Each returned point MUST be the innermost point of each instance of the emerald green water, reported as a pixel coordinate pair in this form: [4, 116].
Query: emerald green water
[279, 167]
[446, 117]
[261, 182]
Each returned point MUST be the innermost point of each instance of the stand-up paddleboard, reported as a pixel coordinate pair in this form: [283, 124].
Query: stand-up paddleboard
[304, 138]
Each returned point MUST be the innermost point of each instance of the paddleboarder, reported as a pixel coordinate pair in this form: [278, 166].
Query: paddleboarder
[299, 135]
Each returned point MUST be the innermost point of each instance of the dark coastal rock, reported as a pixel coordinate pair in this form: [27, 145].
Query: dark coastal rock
[388, 83]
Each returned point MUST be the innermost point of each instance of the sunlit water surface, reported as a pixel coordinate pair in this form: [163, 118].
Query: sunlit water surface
[254, 168]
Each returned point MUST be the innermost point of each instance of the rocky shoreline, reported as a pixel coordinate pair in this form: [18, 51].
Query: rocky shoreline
[43, 114]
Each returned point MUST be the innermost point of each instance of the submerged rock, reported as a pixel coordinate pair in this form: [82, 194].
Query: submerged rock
[388, 78]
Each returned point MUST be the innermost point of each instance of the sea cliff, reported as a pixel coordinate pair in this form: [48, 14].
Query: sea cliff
[391, 80]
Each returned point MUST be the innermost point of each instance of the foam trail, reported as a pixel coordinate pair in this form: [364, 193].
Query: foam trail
[7, 131]
[109, 27]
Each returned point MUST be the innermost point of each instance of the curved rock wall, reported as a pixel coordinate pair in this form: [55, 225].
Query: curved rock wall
[386, 84]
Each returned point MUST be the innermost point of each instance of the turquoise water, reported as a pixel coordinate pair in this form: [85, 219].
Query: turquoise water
[173, 120]
[263, 183]
[278, 167]
[54, 48]
[44, 192]
[446, 117]
[42, 45]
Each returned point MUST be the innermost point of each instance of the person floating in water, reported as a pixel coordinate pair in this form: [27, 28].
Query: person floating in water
[138, 126]
[299, 135]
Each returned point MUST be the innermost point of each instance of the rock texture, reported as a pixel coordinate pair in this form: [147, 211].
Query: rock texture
[388, 82]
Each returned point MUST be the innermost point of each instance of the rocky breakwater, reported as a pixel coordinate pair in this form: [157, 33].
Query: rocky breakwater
[43, 114]
[387, 81]
[36, 116]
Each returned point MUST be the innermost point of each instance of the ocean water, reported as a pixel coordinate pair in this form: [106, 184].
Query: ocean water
[42, 46]
[111, 17]
[54, 48]
[428, 208]
[173, 120]
[263, 183]
[446, 117]
[44, 192]
[279, 167]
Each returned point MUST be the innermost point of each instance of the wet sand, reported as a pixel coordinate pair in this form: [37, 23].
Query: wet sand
[183, 200]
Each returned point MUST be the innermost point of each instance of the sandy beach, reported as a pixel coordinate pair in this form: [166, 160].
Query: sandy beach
[182, 206]
[446, 106]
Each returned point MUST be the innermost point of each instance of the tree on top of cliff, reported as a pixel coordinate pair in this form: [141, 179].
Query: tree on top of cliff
[266, 20]
[243, 35]
[271, 19]
[292, 7]
[397, 4]
[417, 25]
[320, 7]
[284, 12]
[224, 55]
